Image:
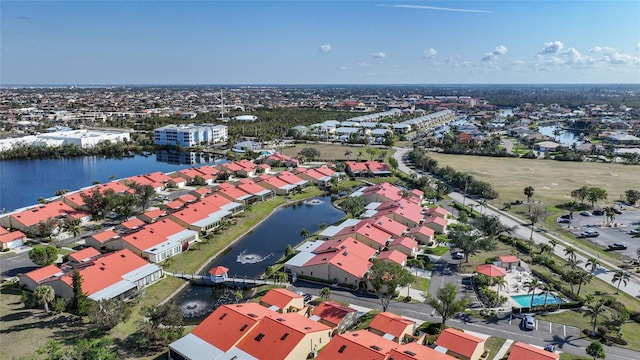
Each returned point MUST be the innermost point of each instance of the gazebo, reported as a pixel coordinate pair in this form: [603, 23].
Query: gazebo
[218, 274]
[491, 270]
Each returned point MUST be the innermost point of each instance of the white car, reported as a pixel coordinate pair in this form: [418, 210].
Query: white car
[458, 255]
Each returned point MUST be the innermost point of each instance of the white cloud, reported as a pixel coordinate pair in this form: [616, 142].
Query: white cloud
[602, 49]
[430, 53]
[551, 47]
[343, 67]
[425, 7]
[638, 46]
[493, 55]
[325, 48]
[379, 55]
[364, 64]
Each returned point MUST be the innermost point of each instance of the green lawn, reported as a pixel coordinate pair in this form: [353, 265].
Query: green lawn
[421, 284]
[493, 345]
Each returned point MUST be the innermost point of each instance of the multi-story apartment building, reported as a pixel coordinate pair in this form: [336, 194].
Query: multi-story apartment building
[190, 134]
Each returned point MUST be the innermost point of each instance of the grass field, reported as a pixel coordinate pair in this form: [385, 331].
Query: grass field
[551, 180]
[337, 151]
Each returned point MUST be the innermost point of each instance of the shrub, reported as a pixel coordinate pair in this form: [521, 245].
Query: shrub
[635, 316]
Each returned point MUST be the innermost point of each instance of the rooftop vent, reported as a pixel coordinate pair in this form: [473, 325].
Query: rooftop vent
[342, 348]
[375, 347]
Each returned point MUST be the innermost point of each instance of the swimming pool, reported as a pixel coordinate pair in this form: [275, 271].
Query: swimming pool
[538, 300]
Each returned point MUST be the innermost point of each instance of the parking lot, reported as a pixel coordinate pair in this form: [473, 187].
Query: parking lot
[616, 232]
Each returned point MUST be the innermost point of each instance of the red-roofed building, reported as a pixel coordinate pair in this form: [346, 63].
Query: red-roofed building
[282, 301]
[402, 211]
[405, 245]
[367, 168]
[424, 235]
[392, 327]
[201, 216]
[33, 216]
[160, 240]
[11, 240]
[192, 175]
[234, 194]
[292, 179]
[380, 193]
[393, 256]
[101, 240]
[271, 182]
[461, 345]
[231, 167]
[367, 234]
[133, 224]
[219, 332]
[438, 224]
[174, 205]
[415, 351]
[209, 171]
[357, 345]
[387, 224]
[281, 160]
[84, 255]
[508, 261]
[144, 181]
[35, 278]
[344, 261]
[314, 176]
[218, 274]
[522, 351]
[200, 192]
[336, 316]
[116, 275]
[285, 337]
[151, 216]
[438, 211]
[251, 187]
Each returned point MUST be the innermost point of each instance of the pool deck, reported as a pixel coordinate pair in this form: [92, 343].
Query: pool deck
[515, 286]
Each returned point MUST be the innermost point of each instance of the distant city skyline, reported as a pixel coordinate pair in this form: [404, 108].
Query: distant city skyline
[319, 42]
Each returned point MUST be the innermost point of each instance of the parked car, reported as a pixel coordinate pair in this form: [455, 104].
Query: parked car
[563, 221]
[617, 211]
[549, 347]
[634, 232]
[528, 322]
[598, 212]
[585, 213]
[566, 216]
[618, 246]
[458, 255]
[588, 234]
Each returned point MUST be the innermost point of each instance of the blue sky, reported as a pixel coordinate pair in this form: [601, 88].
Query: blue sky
[319, 42]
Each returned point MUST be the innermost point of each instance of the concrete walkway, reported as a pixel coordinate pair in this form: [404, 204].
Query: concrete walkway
[503, 350]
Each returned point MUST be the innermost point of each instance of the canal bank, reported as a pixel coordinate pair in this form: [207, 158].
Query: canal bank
[234, 235]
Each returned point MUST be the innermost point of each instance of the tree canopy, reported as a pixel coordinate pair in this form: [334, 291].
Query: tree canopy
[385, 278]
[43, 255]
[445, 302]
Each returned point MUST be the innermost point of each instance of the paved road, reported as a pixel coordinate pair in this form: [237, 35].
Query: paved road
[566, 338]
[524, 231]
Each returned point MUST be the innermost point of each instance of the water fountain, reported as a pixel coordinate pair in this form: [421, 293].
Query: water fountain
[244, 258]
[313, 202]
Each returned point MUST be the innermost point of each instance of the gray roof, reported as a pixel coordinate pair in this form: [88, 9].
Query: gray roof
[334, 229]
[113, 291]
[194, 348]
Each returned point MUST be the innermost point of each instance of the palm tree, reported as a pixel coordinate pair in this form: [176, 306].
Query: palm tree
[594, 311]
[531, 287]
[528, 191]
[304, 233]
[546, 290]
[238, 296]
[592, 263]
[501, 283]
[348, 154]
[553, 243]
[570, 252]
[44, 295]
[610, 214]
[573, 263]
[620, 276]
[583, 278]
[545, 250]
[325, 293]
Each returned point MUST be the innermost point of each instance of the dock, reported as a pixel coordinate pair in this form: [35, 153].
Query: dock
[229, 281]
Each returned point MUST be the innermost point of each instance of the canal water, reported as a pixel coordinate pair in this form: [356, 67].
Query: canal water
[566, 137]
[264, 246]
[23, 182]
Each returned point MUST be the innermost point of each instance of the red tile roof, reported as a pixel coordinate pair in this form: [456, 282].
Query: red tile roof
[437, 210]
[522, 351]
[368, 231]
[105, 236]
[415, 351]
[357, 345]
[394, 256]
[250, 187]
[332, 312]
[84, 254]
[7, 237]
[43, 273]
[405, 242]
[436, 220]
[389, 323]
[275, 336]
[133, 224]
[387, 224]
[280, 297]
[508, 259]
[107, 270]
[153, 234]
[458, 342]
[229, 323]
[35, 215]
[218, 270]
[427, 231]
